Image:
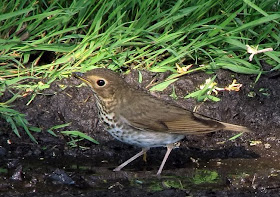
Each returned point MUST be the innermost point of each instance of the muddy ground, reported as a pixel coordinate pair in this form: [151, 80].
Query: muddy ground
[208, 165]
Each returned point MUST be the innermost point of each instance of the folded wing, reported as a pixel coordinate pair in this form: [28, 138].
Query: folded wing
[152, 114]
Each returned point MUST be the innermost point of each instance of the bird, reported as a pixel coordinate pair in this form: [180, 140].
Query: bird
[137, 118]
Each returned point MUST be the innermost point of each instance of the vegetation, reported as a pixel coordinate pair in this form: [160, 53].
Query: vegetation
[41, 41]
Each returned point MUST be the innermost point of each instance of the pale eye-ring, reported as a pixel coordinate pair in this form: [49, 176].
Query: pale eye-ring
[100, 82]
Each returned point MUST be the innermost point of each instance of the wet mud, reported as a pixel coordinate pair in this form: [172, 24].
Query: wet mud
[207, 165]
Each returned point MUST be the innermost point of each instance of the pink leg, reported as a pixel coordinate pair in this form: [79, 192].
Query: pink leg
[169, 149]
[144, 150]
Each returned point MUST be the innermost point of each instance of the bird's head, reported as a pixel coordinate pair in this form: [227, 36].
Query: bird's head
[105, 83]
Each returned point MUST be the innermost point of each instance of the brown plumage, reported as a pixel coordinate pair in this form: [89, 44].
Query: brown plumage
[137, 118]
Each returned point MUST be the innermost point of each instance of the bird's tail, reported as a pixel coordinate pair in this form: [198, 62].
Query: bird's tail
[222, 125]
[233, 127]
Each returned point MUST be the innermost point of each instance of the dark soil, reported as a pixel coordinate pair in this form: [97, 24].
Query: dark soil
[208, 165]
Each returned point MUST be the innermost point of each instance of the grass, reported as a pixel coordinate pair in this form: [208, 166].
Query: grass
[153, 35]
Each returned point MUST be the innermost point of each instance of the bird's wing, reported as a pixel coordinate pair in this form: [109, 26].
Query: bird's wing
[149, 113]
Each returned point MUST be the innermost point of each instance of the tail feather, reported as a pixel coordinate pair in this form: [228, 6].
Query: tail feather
[233, 127]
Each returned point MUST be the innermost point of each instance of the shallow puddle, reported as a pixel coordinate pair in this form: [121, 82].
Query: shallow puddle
[51, 176]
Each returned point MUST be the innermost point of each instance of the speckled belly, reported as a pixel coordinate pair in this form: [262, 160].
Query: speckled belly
[143, 138]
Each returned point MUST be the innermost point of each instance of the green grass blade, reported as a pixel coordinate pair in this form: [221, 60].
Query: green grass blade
[81, 135]
[163, 85]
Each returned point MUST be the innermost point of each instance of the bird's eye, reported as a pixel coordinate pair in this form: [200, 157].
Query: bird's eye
[100, 82]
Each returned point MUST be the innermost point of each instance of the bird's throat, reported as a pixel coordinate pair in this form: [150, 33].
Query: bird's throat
[106, 105]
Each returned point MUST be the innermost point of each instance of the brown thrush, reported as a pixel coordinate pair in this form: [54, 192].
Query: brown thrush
[134, 117]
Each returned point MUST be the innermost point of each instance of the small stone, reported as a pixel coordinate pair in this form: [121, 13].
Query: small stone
[17, 176]
[3, 151]
[60, 176]
[267, 145]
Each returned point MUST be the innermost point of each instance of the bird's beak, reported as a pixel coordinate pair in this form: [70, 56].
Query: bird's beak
[80, 76]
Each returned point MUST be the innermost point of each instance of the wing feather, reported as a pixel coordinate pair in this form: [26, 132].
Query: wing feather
[155, 115]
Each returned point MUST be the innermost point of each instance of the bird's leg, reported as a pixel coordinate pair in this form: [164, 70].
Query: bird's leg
[144, 150]
[145, 157]
[169, 149]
